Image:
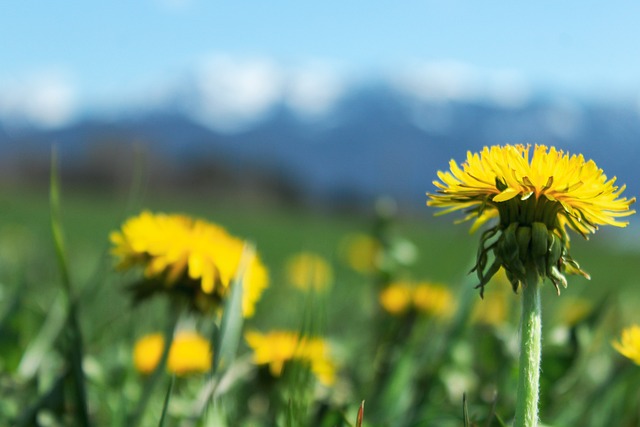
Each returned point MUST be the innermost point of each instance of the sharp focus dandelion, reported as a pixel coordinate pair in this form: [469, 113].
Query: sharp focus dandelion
[535, 200]
[536, 197]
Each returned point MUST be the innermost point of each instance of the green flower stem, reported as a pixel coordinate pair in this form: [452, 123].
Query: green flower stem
[530, 349]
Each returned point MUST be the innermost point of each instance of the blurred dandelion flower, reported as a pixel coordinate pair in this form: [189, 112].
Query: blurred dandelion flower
[497, 307]
[396, 298]
[493, 310]
[536, 199]
[279, 347]
[188, 256]
[574, 311]
[629, 344]
[189, 353]
[423, 297]
[307, 270]
[433, 300]
[361, 252]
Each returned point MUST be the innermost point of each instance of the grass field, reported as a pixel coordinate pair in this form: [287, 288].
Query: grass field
[411, 369]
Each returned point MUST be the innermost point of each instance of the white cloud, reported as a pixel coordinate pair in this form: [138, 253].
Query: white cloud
[455, 81]
[439, 81]
[507, 89]
[45, 99]
[564, 118]
[233, 93]
[312, 91]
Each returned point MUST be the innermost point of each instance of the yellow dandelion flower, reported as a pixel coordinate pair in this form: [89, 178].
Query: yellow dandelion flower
[434, 300]
[189, 353]
[497, 307]
[629, 345]
[361, 252]
[188, 255]
[536, 198]
[309, 271]
[425, 298]
[574, 311]
[276, 348]
[396, 298]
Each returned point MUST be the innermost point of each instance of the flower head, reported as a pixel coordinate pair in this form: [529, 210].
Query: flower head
[307, 270]
[425, 298]
[189, 353]
[188, 256]
[361, 252]
[536, 197]
[396, 298]
[433, 299]
[279, 347]
[629, 345]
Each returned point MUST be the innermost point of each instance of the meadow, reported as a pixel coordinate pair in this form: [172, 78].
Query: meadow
[454, 364]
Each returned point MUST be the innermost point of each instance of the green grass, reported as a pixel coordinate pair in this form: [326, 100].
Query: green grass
[584, 382]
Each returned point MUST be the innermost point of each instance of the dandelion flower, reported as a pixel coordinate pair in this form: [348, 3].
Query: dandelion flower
[189, 353]
[536, 197]
[188, 256]
[423, 297]
[276, 348]
[629, 345]
[434, 300]
[307, 270]
[361, 252]
[497, 307]
[396, 298]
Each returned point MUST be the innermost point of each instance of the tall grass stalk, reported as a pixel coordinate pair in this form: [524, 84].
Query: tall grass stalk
[226, 339]
[75, 349]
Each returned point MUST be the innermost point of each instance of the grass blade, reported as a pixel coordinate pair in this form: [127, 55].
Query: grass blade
[225, 339]
[136, 417]
[225, 348]
[165, 405]
[38, 347]
[465, 412]
[75, 349]
[56, 224]
[51, 398]
[360, 416]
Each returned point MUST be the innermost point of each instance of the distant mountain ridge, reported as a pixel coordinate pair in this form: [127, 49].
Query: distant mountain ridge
[375, 140]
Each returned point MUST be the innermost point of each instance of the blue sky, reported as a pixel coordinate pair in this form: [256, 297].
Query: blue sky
[105, 50]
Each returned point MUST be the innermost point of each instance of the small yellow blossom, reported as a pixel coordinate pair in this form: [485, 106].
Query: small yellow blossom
[629, 345]
[307, 270]
[574, 311]
[361, 252]
[279, 347]
[536, 198]
[434, 300]
[396, 298]
[191, 256]
[189, 353]
[496, 308]
[425, 298]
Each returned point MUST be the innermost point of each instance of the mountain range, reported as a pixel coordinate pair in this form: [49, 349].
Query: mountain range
[374, 140]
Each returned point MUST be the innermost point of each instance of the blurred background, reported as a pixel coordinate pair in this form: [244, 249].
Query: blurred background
[327, 104]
